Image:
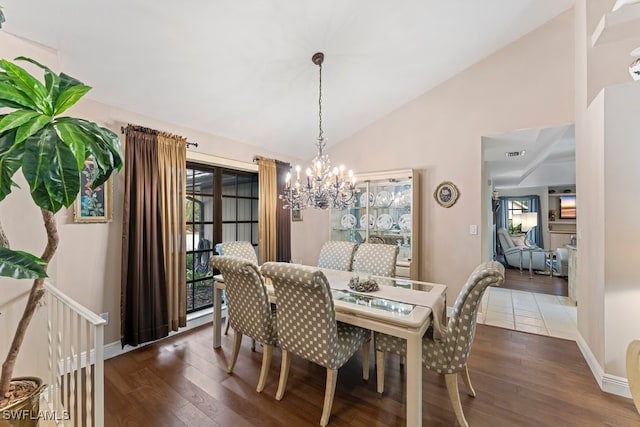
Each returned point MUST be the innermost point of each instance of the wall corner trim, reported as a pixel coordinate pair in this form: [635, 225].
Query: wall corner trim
[608, 383]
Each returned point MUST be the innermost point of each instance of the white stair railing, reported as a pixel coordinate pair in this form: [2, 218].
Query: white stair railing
[75, 392]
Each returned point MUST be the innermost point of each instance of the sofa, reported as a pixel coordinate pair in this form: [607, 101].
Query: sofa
[515, 253]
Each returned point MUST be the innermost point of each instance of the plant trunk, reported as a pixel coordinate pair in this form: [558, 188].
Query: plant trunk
[37, 291]
[4, 242]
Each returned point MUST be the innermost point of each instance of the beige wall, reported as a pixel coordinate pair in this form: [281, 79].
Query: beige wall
[604, 145]
[527, 84]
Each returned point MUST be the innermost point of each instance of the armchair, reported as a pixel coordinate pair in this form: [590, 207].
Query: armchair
[513, 253]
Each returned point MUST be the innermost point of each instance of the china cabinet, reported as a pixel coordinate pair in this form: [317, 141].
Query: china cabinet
[386, 211]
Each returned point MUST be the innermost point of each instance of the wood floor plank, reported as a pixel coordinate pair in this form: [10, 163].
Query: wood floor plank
[521, 380]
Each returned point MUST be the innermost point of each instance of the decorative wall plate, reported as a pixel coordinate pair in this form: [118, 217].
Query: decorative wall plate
[384, 222]
[364, 219]
[446, 194]
[367, 197]
[404, 222]
[348, 221]
[384, 199]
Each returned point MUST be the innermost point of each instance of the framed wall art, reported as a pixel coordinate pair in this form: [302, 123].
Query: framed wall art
[446, 194]
[93, 205]
[296, 215]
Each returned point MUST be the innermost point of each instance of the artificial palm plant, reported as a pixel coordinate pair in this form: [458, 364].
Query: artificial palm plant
[51, 150]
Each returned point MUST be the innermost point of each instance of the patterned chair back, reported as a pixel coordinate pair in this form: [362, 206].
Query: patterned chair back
[461, 327]
[240, 249]
[376, 259]
[337, 255]
[306, 315]
[248, 304]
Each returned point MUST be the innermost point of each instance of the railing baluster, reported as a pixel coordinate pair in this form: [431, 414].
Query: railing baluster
[73, 332]
[88, 378]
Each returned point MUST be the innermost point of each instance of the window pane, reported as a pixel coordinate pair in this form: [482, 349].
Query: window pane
[244, 232]
[228, 184]
[203, 294]
[228, 232]
[245, 184]
[254, 210]
[229, 208]
[244, 210]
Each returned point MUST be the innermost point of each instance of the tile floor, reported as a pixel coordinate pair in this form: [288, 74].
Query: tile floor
[529, 312]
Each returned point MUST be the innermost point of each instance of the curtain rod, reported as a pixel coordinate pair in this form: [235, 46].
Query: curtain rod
[189, 144]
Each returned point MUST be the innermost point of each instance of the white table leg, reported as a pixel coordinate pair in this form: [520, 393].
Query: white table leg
[217, 316]
[414, 381]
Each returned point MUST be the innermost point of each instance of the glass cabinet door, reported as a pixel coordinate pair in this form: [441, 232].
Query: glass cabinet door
[383, 213]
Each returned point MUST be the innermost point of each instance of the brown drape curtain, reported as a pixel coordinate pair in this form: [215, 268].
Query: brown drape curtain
[173, 162]
[153, 294]
[267, 205]
[283, 216]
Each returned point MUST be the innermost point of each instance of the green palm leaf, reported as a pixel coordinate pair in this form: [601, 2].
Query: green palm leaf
[28, 85]
[16, 119]
[20, 265]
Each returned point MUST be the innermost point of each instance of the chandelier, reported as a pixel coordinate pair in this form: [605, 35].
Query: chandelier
[324, 186]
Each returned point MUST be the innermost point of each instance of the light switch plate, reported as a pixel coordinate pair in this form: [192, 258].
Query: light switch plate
[473, 229]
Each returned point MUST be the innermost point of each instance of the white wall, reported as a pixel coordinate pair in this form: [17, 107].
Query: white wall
[527, 84]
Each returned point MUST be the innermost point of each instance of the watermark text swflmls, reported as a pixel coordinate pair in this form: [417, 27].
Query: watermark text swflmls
[26, 414]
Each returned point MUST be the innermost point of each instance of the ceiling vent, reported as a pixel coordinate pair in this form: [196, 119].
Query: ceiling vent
[515, 153]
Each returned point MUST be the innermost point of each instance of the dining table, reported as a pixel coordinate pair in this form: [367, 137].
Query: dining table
[400, 307]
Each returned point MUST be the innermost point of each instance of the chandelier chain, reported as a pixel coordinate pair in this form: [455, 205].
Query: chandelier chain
[320, 132]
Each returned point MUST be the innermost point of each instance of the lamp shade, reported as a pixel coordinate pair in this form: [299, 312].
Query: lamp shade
[526, 220]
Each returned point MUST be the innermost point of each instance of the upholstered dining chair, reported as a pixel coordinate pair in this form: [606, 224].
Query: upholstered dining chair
[376, 259]
[337, 255]
[307, 325]
[241, 249]
[448, 355]
[249, 309]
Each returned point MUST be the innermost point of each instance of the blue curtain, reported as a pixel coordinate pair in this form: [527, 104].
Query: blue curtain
[535, 235]
[502, 217]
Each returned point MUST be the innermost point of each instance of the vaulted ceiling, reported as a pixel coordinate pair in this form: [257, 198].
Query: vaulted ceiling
[242, 69]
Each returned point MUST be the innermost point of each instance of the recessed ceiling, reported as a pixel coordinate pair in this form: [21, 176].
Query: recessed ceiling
[243, 70]
[549, 157]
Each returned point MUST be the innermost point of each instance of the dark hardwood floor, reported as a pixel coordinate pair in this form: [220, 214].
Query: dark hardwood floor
[520, 380]
[539, 283]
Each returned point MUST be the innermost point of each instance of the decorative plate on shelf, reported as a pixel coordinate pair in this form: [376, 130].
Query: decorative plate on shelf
[370, 219]
[384, 199]
[384, 222]
[348, 221]
[367, 197]
[404, 222]
[403, 199]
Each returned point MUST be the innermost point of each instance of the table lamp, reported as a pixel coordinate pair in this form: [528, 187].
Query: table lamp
[527, 221]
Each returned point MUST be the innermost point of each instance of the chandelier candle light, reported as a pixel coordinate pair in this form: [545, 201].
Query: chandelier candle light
[325, 186]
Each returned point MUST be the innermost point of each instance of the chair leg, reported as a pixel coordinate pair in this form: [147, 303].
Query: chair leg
[237, 340]
[226, 328]
[267, 351]
[284, 373]
[366, 345]
[380, 371]
[451, 381]
[467, 381]
[329, 391]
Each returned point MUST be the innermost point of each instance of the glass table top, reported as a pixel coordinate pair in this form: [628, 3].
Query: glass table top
[373, 302]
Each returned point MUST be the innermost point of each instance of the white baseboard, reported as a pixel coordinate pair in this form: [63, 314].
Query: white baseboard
[608, 383]
[193, 321]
